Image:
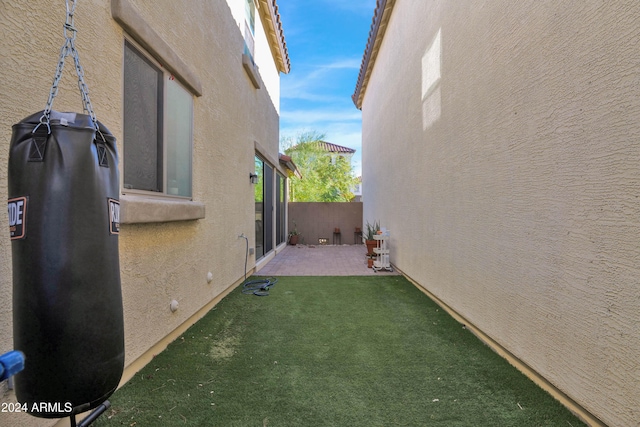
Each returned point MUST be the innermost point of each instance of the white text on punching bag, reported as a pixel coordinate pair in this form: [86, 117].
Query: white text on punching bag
[17, 220]
[114, 216]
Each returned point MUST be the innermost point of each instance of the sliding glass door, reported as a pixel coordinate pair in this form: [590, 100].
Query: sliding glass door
[259, 199]
[264, 207]
[280, 209]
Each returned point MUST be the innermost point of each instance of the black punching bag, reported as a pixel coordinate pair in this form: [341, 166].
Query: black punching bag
[67, 301]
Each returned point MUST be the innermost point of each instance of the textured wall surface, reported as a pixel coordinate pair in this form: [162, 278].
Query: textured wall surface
[161, 261]
[315, 220]
[501, 147]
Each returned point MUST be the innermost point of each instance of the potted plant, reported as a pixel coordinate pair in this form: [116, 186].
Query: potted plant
[294, 235]
[370, 259]
[372, 230]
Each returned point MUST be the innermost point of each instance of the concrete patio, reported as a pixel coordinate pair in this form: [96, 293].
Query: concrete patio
[320, 260]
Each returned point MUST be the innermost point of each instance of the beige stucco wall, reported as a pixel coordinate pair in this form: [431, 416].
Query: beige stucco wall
[159, 261]
[505, 164]
[318, 220]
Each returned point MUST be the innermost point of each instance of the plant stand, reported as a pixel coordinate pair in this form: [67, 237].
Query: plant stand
[382, 263]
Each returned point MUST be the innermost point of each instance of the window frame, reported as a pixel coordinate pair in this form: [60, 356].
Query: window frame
[166, 75]
[249, 30]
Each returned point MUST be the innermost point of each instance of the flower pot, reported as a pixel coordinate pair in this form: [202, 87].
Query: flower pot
[293, 239]
[370, 262]
[370, 245]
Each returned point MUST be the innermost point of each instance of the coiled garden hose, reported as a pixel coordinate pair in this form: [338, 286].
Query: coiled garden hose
[259, 287]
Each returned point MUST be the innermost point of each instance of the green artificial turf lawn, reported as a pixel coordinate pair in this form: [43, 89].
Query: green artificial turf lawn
[331, 351]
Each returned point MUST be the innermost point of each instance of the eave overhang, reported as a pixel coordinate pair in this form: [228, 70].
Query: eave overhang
[275, 35]
[288, 164]
[381, 17]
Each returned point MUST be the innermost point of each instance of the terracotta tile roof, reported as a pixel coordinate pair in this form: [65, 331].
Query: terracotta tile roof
[273, 26]
[330, 148]
[334, 148]
[381, 16]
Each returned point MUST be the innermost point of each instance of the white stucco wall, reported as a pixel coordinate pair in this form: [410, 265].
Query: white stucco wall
[504, 160]
[159, 261]
[263, 57]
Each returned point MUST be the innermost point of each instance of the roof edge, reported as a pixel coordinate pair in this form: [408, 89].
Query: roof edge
[329, 147]
[381, 16]
[335, 148]
[288, 164]
[268, 10]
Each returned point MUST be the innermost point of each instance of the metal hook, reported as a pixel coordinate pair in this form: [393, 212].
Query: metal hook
[45, 122]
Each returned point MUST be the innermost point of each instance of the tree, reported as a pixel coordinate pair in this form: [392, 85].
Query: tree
[324, 178]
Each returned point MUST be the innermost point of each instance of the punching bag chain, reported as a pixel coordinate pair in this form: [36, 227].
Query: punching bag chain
[68, 49]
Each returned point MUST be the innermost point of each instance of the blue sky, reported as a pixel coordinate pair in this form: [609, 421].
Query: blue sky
[326, 40]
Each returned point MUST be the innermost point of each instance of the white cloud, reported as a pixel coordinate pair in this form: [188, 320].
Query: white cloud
[316, 94]
[320, 115]
[309, 82]
[350, 63]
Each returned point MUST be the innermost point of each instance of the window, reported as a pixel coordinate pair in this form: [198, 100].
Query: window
[158, 121]
[249, 28]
